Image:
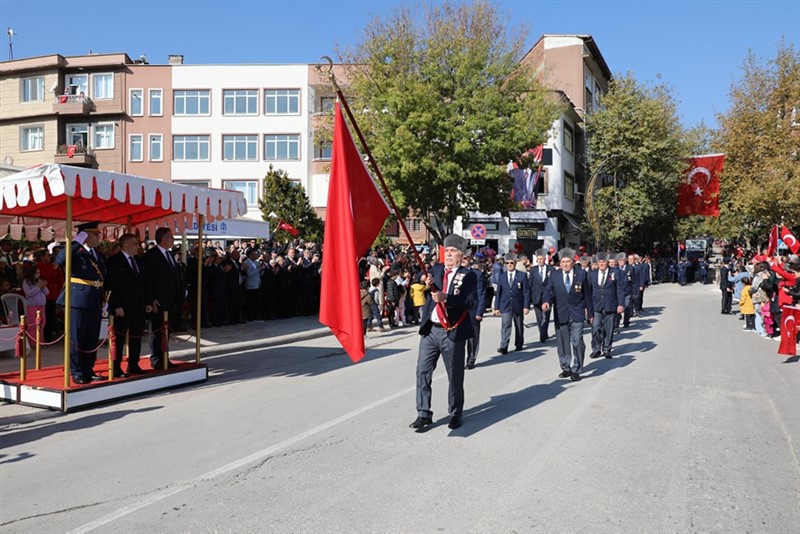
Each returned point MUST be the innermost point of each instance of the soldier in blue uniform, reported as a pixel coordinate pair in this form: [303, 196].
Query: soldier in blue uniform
[626, 279]
[682, 267]
[86, 300]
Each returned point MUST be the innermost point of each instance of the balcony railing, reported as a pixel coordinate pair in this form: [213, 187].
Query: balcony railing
[77, 155]
[73, 104]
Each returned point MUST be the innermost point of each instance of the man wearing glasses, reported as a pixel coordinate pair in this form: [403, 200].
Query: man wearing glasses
[511, 302]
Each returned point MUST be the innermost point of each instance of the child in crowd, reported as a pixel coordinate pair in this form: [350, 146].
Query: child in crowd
[36, 295]
[766, 313]
[746, 306]
[366, 304]
[417, 298]
[376, 312]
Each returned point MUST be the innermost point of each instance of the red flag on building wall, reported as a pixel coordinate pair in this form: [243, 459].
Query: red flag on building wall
[356, 213]
[288, 227]
[772, 244]
[789, 317]
[698, 194]
[790, 240]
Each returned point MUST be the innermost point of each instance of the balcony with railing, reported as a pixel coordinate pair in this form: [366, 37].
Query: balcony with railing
[78, 155]
[79, 104]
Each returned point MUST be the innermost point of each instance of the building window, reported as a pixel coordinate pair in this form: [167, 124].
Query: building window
[137, 102]
[190, 148]
[249, 188]
[588, 102]
[240, 102]
[569, 186]
[192, 102]
[413, 225]
[326, 104]
[324, 151]
[194, 183]
[282, 101]
[32, 138]
[103, 86]
[78, 134]
[33, 89]
[104, 136]
[156, 102]
[240, 147]
[77, 84]
[569, 139]
[136, 148]
[280, 147]
[156, 143]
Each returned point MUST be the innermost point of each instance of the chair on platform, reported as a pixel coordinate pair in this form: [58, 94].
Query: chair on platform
[13, 306]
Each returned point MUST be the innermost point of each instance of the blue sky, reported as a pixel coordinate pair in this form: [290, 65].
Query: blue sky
[697, 47]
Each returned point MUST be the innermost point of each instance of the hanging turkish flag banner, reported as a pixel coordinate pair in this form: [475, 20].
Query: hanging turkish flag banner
[790, 240]
[772, 244]
[698, 194]
[789, 317]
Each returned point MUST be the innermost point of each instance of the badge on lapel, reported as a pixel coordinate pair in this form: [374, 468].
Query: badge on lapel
[458, 281]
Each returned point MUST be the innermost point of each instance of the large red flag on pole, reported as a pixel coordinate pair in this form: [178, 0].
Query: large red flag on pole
[789, 240]
[789, 317]
[698, 194]
[356, 213]
[772, 243]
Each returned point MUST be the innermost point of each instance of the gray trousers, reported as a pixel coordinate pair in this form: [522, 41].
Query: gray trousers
[505, 329]
[571, 348]
[542, 321]
[603, 331]
[430, 347]
[474, 343]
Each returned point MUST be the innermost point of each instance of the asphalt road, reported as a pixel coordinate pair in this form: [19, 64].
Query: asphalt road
[693, 427]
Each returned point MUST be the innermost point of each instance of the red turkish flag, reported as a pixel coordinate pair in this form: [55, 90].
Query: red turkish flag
[789, 317]
[356, 213]
[791, 241]
[288, 227]
[698, 194]
[772, 244]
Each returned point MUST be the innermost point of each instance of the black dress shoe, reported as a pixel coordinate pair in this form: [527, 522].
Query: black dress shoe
[564, 374]
[420, 422]
[455, 422]
[98, 377]
[518, 348]
[575, 377]
[607, 355]
[135, 370]
[81, 380]
[595, 354]
[502, 351]
[470, 365]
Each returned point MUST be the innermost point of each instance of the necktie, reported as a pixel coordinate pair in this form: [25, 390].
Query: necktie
[541, 273]
[445, 280]
[133, 265]
[602, 279]
[169, 259]
[566, 282]
[510, 279]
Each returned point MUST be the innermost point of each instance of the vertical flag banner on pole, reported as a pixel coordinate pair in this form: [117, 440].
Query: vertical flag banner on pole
[698, 194]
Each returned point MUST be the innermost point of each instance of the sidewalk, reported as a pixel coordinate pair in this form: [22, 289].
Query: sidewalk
[213, 341]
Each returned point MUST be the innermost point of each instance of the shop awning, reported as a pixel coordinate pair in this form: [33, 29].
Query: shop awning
[476, 216]
[533, 216]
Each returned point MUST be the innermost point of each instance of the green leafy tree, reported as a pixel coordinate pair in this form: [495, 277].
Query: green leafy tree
[636, 146]
[445, 104]
[761, 136]
[286, 200]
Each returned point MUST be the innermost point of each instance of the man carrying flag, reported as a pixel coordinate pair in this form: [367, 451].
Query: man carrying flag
[356, 214]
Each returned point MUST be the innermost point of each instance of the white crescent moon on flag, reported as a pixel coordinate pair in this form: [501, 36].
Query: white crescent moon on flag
[790, 240]
[701, 170]
[786, 322]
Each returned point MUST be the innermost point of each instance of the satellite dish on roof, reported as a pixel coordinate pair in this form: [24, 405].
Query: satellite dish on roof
[8, 160]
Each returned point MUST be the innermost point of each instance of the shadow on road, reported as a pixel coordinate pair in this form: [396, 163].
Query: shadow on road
[50, 427]
[524, 355]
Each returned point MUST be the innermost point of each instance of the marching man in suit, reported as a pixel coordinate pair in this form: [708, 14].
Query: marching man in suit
[511, 302]
[126, 303]
[444, 329]
[570, 296]
[161, 290]
[608, 300]
[86, 300]
[539, 275]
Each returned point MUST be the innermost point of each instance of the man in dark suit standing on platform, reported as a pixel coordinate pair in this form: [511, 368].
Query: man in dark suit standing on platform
[126, 303]
[570, 296]
[161, 291]
[511, 302]
[86, 280]
[445, 327]
[608, 297]
[539, 275]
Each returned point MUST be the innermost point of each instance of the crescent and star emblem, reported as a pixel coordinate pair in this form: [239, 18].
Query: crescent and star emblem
[696, 183]
[790, 240]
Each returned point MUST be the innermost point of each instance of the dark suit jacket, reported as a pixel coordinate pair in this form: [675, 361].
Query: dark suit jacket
[87, 268]
[515, 297]
[480, 301]
[462, 294]
[160, 280]
[537, 283]
[573, 305]
[625, 276]
[126, 286]
[611, 294]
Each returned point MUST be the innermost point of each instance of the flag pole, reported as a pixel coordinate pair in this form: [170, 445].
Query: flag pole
[368, 153]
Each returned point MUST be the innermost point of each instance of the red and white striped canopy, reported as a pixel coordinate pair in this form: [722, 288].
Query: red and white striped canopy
[112, 198]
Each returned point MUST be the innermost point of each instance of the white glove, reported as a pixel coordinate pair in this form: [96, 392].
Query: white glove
[81, 237]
